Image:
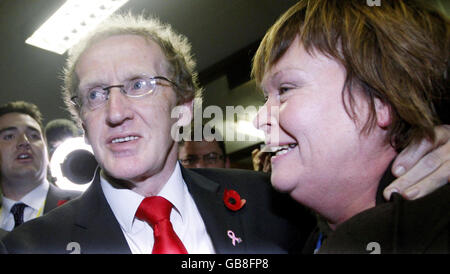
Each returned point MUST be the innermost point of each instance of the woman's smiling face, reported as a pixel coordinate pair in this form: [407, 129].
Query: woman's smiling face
[304, 117]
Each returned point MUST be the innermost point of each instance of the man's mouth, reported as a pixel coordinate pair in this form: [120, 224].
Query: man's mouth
[124, 139]
[23, 156]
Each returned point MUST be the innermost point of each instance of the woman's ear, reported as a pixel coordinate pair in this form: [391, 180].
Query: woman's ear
[383, 111]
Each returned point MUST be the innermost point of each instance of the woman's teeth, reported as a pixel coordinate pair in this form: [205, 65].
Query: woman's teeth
[280, 150]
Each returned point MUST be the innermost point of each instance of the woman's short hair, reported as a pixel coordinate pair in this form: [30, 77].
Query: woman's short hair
[397, 52]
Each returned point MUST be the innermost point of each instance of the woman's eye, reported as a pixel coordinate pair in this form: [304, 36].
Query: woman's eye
[283, 89]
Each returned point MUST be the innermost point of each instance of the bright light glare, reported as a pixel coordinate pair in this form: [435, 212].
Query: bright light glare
[58, 157]
[73, 20]
[248, 128]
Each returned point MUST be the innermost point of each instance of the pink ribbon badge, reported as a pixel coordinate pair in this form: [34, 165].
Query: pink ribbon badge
[233, 237]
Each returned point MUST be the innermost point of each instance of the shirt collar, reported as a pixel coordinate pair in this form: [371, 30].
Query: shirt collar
[174, 190]
[125, 202]
[34, 199]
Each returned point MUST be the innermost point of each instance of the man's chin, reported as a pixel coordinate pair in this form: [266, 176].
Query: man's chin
[124, 173]
[30, 174]
[119, 174]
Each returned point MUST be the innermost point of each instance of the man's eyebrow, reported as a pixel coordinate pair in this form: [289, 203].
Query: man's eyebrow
[7, 129]
[15, 129]
[192, 155]
[34, 129]
[90, 83]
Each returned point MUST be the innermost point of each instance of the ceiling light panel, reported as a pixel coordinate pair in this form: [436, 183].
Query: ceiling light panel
[73, 20]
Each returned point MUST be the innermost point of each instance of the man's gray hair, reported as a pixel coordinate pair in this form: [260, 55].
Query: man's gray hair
[175, 47]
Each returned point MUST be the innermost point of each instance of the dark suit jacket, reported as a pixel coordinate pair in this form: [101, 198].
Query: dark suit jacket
[398, 226]
[57, 196]
[3, 233]
[90, 223]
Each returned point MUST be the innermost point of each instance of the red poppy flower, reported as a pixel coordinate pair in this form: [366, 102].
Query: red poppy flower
[61, 202]
[233, 200]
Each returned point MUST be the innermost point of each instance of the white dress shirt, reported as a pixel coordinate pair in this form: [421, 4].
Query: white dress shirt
[35, 201]
[185, 217]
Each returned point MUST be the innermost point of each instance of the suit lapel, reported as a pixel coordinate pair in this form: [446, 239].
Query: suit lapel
[52, 199]
[96, 228]
[56, 195]
[208, 196]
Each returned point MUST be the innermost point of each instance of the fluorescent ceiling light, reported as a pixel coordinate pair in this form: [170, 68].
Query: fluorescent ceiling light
[73, 20]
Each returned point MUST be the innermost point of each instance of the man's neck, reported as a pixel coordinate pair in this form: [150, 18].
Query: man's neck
[151, 184]
[17, 189]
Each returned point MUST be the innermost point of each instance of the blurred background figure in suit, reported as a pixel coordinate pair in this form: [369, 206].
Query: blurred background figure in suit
[26, 192]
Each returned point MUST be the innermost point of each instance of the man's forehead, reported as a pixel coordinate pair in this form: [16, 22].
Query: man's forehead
[15, 120]
[141, 57]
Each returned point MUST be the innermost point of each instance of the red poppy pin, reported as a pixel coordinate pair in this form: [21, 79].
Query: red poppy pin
[61, 202]
[233, 200]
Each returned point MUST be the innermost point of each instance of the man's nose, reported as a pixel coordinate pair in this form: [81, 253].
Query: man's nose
[200, 163]
[117, 107]
[23, 142]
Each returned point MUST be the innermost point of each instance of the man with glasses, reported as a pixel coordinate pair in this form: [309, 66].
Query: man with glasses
[121, 85]
[124, 80]
[203, 153]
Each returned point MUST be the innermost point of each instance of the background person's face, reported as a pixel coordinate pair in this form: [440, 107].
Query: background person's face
[193, 153]
[23, 153]
[146, 120]
[321, 145]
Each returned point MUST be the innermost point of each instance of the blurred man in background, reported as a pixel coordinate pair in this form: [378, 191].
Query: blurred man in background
[26, 192]
[204, 153]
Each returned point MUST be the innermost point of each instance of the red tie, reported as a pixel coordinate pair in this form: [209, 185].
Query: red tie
[155, 210]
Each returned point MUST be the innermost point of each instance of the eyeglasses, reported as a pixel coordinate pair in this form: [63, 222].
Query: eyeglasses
[210, 159]
[138, 87]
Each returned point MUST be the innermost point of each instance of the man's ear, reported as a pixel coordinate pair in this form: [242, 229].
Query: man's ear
[383, 111]
[184, 113]
[86, 139]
